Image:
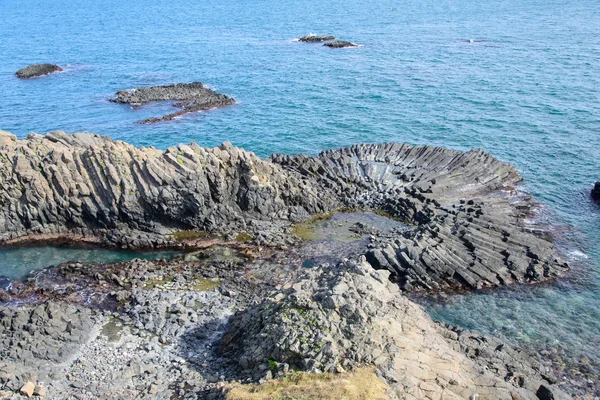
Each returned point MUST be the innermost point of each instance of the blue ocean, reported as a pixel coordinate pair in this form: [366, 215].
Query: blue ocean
[518, 79]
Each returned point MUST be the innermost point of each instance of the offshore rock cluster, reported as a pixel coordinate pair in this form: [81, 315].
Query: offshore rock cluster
[184, 328]
[190, 97]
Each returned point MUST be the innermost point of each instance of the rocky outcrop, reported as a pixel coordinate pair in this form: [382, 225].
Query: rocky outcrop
[315, 39]
[464, 228]
[190, 97]
[93, 188]
[35, 70]
[467, 226]
[164, 329]
[596, 191]
[338, 318]
[339, 44]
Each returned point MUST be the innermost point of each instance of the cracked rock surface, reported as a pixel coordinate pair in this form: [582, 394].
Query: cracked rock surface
[338, 318]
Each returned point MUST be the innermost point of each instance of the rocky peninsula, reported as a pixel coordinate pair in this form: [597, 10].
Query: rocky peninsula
[36, 70]
[243, 308]
[190, 97]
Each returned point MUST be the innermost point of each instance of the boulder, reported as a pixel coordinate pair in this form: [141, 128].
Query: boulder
[27, 389]
[596, 191]
[338, 44]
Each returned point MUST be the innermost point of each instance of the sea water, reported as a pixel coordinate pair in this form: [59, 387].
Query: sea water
[519, 79]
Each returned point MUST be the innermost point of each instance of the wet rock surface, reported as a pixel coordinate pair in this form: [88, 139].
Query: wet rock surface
[36, 70]
[190, 97]
[315, 38]
[340, 44]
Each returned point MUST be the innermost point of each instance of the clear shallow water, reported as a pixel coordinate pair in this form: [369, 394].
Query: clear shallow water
[525, 89]
[18, 262]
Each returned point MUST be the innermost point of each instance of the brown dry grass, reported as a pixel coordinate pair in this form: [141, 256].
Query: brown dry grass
[361, 384]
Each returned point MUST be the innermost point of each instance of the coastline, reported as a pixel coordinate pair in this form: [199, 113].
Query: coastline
[423, 186]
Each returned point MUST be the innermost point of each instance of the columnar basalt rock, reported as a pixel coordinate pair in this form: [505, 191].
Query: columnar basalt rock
[190, 97]
[85, 185]
[315, 39]
[465, 228]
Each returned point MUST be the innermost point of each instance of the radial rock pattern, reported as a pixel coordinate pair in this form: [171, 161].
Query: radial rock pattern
[464, 229]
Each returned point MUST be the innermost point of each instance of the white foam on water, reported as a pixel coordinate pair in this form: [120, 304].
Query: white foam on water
[577, 255]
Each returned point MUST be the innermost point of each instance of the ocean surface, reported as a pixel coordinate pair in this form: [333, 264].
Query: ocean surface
[519, 79]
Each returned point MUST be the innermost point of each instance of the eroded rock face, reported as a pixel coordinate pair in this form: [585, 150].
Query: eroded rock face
[339, 44]
[342, 317]
[85, 185]
[190, 97]
[36, 70]
[315, 39]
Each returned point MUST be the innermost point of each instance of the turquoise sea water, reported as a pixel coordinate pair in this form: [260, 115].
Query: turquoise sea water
[519, 79]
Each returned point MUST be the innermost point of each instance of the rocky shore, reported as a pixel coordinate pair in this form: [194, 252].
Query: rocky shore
[36, 70]
[190, 97]
[246, 307]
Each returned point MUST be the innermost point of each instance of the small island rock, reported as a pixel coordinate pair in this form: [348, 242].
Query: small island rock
[190, 97]
[35, 70]
[315, 39]
[338, 44]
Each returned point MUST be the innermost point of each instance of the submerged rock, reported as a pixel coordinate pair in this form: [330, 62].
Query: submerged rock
[338, 44]
[191, 97]
[596, 191]
[36, 70]
[315, 39]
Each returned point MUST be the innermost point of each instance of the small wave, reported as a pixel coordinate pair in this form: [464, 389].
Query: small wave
[577, 255]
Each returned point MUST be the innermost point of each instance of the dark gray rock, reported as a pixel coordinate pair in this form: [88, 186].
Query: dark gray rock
[339, 44]
[315, 39]
[92, 188]
[466, 222]
[190, 97]
[36, 70]
[596, 191]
